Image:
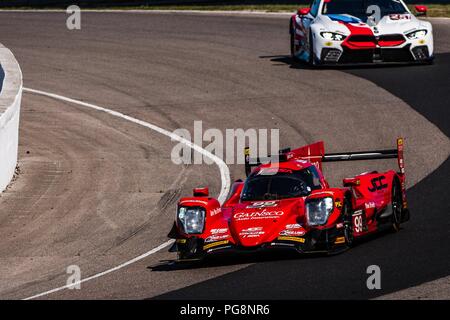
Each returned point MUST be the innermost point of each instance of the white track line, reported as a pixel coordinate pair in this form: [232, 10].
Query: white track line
[224, 175]
[158, 248]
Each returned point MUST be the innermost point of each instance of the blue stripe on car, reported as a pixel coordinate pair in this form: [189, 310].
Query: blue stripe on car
[343, 18]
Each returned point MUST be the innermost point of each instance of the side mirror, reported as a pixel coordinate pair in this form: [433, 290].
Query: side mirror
[201, 192]
[421, 10]
[303, 11]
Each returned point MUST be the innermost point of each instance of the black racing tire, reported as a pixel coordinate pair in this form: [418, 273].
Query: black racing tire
[191, 250]
[430, 62]
[293, 57]
[312, 60]
[347, 217]
[397, 205]
[292, 41]
[188, 257]
[182, 255]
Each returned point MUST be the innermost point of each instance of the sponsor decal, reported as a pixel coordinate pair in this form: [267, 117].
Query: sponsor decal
[377, 184]
[292, 233]
[215, 244]
[262, 204]
[181, 241]
[338, 203]
[264, 214]
[216, 238]
[399, 16]
[219, 231]
[340, 225]
[252, 229]
[369, 205]
[251, 232]
[215, 211]
[296, 239]
[293, 226]
[339, 240]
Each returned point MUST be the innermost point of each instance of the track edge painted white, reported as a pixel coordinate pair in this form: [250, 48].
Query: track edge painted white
[10, 99]
[224, 175]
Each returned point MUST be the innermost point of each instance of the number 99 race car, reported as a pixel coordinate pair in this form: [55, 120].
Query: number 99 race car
[334, 32]
[288, 204]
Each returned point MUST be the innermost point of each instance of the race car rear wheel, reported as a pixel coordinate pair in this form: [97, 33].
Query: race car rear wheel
[397, 205]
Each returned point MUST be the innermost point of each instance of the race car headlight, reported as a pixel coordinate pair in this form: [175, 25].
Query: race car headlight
[318, 210]
[418, 34]
[332, 36]
[192, 219]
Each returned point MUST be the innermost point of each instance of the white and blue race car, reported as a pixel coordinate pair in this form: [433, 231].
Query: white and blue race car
[360, 31]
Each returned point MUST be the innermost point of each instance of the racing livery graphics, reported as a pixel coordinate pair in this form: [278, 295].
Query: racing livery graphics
[288, 204]
[360, 31]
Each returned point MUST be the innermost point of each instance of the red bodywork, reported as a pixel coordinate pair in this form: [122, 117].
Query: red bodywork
[249, 225]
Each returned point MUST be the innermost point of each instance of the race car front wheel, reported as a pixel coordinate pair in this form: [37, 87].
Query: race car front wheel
[292, 46]
[347, 230]
[347, 213]
[312, 59]
[292, 42]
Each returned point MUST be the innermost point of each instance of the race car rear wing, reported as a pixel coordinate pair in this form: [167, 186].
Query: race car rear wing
[315, 153]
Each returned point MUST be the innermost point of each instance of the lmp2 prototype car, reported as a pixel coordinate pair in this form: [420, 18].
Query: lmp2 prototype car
[334, 32]
[288, 204]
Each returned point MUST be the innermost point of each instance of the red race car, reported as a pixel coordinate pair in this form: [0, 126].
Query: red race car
[288, 204]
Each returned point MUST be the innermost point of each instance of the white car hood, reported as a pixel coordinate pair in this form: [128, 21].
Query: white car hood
[391, 24]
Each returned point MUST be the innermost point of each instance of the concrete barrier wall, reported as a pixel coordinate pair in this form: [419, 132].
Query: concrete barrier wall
[10, 98]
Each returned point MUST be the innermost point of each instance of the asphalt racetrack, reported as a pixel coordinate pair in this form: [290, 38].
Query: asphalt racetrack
[97, 191]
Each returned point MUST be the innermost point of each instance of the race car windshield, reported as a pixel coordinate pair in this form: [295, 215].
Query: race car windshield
[363, 8]
[282, 185]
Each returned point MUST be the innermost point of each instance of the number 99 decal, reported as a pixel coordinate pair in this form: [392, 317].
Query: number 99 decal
[263, 204]
[358, 222]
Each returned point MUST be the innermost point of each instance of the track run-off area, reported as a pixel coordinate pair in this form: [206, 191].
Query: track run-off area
[99, 190]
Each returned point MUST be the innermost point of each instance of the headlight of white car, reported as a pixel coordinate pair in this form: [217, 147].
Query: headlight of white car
[192, 219]
[318, 210]
[418, 34]
[327, 35]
